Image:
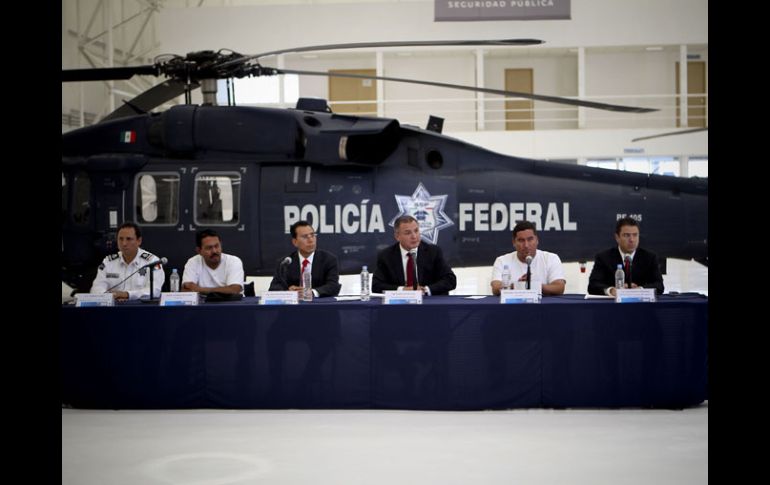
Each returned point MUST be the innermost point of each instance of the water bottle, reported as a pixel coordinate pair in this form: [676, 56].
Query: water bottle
[506, 278]
[173, 280]
[307, 285]
[364, 284]
[620, 278]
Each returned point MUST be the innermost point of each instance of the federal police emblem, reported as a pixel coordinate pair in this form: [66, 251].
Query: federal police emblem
[427, 209]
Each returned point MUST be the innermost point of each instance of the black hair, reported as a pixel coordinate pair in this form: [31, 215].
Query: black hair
[523, 226]
[626, 221]
[297, 224]
[203, 233]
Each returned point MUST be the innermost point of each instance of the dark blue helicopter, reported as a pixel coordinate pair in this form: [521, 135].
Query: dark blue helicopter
[251, 172]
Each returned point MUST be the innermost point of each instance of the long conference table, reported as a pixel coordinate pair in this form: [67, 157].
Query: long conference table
[450, 353]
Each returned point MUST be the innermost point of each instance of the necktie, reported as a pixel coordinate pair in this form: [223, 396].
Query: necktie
[304, 265]
[628, 270]
[409, 271]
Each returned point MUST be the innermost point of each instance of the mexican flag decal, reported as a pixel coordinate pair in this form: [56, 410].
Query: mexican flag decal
[128, 136]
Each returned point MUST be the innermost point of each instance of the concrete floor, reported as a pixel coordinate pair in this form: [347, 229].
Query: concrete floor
[538, 446]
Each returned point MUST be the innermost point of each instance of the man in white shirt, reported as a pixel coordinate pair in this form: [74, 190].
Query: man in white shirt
[544, 267]
[211, 270]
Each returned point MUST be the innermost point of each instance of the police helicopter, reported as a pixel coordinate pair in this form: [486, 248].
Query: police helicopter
[250, 173]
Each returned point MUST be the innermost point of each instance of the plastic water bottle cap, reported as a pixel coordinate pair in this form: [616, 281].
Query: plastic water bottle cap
[364, 268]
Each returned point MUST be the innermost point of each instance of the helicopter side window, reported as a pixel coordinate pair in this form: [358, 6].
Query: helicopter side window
[217, 198]
[81, 202]
[157, 198]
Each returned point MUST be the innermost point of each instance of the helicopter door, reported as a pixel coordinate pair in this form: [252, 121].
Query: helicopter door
[108, 191]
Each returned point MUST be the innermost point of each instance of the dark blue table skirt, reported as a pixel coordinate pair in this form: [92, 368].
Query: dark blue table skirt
[449, 353]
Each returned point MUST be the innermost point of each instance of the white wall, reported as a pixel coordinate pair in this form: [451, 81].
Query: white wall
[263, 28]
[458, 110]
[561, 144]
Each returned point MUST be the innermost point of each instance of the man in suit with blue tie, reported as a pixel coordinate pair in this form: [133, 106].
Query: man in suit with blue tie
[307, 257]
[396, 264]
[641, 266]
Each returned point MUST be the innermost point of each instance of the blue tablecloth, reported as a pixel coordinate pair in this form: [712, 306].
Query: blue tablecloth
[448, 353]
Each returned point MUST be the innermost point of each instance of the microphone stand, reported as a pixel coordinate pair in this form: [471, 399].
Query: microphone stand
[282, 273]
[529, 276]
[414, 264]
[152, 290]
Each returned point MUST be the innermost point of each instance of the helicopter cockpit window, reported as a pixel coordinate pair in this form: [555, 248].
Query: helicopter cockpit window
[157, 198]
[81, 199]
[217, 198]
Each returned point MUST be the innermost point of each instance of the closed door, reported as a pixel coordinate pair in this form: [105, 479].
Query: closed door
[353, 89]
[696, 105]
[519, 115]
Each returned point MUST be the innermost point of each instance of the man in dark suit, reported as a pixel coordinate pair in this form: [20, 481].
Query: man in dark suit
[322, 264]
[640, 263]
[433, 275]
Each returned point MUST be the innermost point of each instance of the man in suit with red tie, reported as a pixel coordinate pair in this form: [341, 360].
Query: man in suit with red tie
[640, 266]
[412, 263]
[307, 257]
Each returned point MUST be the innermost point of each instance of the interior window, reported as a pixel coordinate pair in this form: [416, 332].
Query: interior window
[157, 198]
[217, 197]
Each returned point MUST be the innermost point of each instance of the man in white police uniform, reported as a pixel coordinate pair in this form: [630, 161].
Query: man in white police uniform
[545, 267]
[121, 273]
[211, 270]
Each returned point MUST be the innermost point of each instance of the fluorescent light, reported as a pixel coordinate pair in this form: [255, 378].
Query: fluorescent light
[653, 48]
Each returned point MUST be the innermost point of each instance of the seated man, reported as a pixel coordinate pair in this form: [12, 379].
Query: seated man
[322, 265]
[396, 264]
[544, 266]
[640, 266]
[122, 275]
[211, 270]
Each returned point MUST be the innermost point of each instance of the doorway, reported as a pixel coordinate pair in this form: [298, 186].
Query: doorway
[697, 106]
[519, 115]
[353, 89]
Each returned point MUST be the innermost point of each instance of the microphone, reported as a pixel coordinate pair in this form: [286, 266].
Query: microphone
[413, 252]
[529, 272]
[159, 261]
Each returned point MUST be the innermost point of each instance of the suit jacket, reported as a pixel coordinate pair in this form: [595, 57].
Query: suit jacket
[432, 270]
[645, 271]
[326, 274]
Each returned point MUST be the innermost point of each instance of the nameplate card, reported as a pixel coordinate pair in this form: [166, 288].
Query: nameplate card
[179, 298]
[279, 298]
[635, 295]
[94, 299]
[403, 297]
[519, 296]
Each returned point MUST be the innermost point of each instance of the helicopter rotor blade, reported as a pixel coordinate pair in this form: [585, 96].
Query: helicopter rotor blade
[152, 98]
[536, 97]
[107, 73]
[369, 45]
[670, 133]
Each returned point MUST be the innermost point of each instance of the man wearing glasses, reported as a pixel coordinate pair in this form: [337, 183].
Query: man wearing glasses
[322, 265]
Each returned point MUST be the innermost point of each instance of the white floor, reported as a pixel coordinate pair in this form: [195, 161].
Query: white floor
[217, 447]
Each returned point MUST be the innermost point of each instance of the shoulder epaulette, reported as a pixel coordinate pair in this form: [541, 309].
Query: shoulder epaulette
[145, 255]
[113, 257]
